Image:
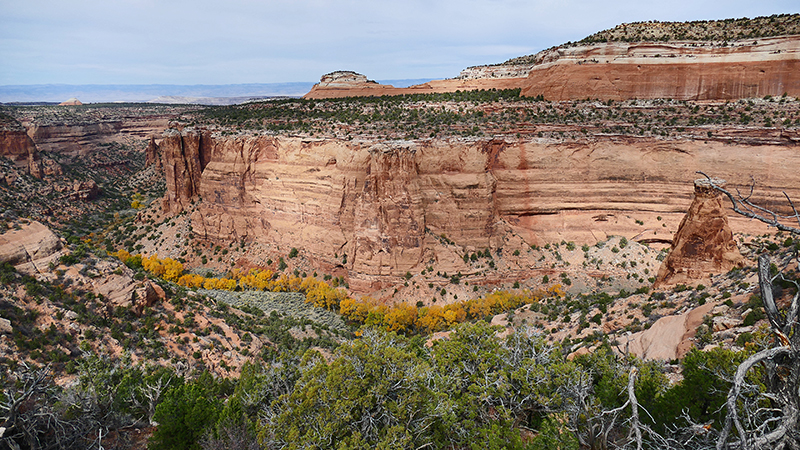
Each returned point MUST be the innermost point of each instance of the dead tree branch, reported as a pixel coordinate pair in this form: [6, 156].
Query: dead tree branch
[767, 416]
[742, 205]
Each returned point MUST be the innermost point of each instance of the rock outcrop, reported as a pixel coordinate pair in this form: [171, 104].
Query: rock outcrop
[184, 157]
[5, 326]
[17, 146]
[669, 338]
[495, 71]
[71, 102]
[123, 290]
[344, 78]
[704, 243]
[30, 247]
[392, 207]
[152, 154]
[84, 190]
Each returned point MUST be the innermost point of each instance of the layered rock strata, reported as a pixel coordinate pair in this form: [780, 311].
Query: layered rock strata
[358, 86]
[17, 146]
[390, 206]
[81, 139]
[495, 71]
[704, 243]
[681, 70]
[690, 70]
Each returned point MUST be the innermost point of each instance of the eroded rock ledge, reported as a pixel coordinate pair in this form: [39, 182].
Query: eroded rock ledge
[389, 206]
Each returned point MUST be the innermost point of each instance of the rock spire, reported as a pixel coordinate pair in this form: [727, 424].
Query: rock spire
[704, 243]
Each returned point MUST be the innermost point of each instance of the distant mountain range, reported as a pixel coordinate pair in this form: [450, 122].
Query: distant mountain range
[163, 93]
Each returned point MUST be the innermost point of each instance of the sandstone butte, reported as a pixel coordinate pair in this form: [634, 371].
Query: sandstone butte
[618, 71]
[386, 205]
[71, 102]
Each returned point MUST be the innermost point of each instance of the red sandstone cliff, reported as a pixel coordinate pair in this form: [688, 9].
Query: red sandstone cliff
[618, 71]
[185, 155]
[17, 146]
[682, 70]
[386, 205]
[358, 86]
[80, 139]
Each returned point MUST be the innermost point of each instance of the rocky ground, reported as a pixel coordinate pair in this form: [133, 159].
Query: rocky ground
[71, 302]
[79, 302]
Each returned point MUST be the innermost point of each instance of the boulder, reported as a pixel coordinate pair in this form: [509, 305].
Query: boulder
[118, 289]
[30, 247]
[51, 168]
[85, 190]
[5, 326]
[723, 323]
[150, 293]
[668, 338]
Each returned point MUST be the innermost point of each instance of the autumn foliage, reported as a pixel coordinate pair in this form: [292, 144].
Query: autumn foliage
[399, 317]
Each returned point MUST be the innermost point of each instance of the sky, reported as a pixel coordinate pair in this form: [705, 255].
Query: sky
[268, 41]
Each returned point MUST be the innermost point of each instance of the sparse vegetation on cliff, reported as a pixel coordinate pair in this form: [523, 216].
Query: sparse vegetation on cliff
[700, 32]
[497, 113]
[720, 31]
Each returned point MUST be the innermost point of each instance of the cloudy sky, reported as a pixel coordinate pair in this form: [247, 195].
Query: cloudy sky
[270, 41]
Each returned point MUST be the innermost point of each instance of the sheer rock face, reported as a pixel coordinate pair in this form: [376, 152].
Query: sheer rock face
[82, 139]
[152, 154]
[185, 155]
[683, 71]
[17, 146]
[704, 243]
[395, 206]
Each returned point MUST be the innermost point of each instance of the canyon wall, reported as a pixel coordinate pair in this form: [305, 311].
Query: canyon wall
[389, 206]
[80, 139]
[691, 70]
[17, 146]
[681, 70]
